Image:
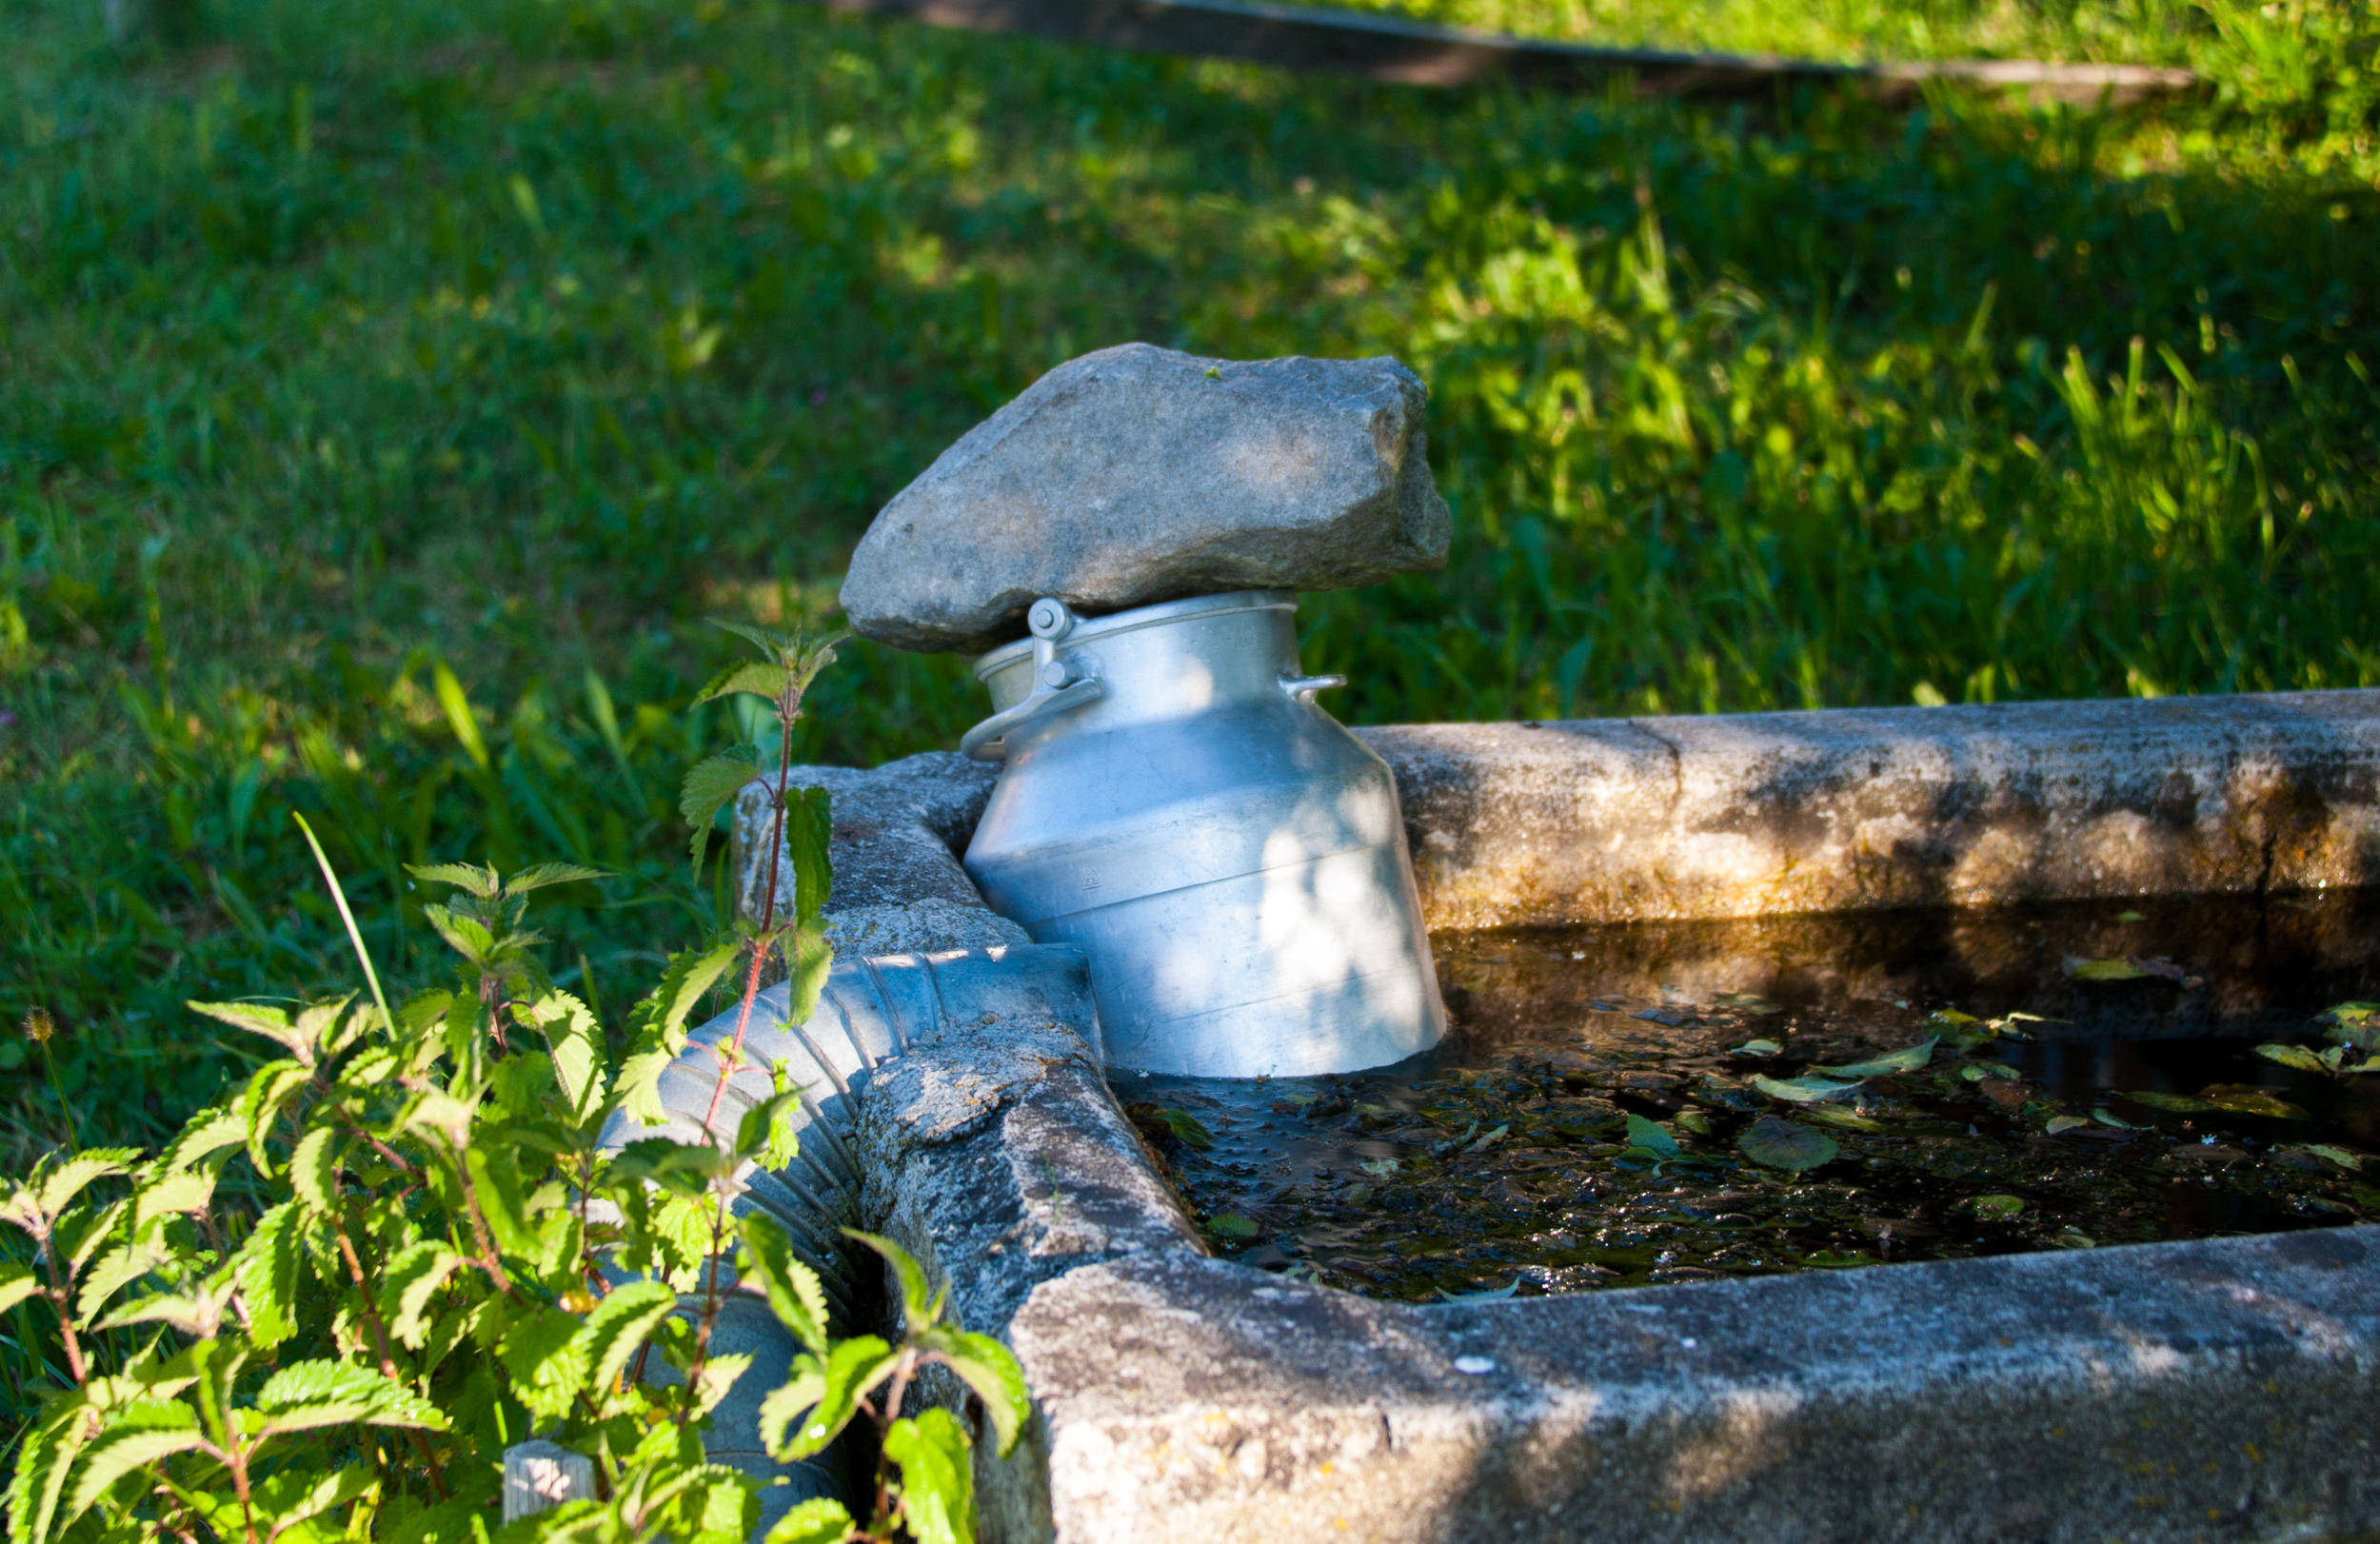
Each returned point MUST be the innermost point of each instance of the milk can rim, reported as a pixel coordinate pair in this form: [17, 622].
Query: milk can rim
[1117, 623]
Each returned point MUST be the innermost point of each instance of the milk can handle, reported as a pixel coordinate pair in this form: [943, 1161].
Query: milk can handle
[986, 742]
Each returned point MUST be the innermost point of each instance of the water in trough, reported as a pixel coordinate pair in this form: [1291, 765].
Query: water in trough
[1662, 1103]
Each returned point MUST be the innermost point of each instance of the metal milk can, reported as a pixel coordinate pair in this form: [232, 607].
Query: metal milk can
[1230, 858]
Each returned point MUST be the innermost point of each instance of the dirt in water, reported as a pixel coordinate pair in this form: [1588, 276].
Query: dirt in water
[1671, 1102]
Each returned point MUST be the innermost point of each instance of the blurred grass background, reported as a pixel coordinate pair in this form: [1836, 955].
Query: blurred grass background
[387, 389]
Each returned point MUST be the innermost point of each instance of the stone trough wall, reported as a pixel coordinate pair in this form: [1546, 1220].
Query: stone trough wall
[2227, 1389]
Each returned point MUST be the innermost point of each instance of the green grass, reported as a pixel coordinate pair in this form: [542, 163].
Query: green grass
[367, 342]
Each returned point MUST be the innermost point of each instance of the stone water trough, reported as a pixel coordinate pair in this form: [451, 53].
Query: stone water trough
[2219, 1390]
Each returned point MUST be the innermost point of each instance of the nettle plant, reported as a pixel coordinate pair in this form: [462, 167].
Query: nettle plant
[331, 1303]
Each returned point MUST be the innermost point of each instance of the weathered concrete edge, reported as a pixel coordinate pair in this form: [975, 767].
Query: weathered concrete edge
[2224, 1389]
[1611, 819]
[1633, 819]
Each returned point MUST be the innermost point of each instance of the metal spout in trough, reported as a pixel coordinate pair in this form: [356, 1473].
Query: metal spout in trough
[1175, 804]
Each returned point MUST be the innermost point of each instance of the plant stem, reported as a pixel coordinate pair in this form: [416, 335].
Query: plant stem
[355, 936]
[62, 1298]
[788, 708]
[388, 1359]
[73, 1138]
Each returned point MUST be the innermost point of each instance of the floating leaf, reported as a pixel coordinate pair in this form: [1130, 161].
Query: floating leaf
[1380, 1168]
[2075, 1239]
[1801, 1090]
[1232, 1225]
[2354, 1023]
[1758, 1048]
[1694, 1120]
[2132, 916]
[2060, 1124]
[1975, 1072]
[1781, 1144]
[2242, 1098]
[1835, 1115]
[1998, 1207]
[1751, 1002]
[1492, 1294]
[2101, 1115]
[1837, 1260]
[1180, 1124]
[1908, 1058]
[2297, 1056]
[2179, 1104]
[2104, 970]
[1649, 1135]
[2352, 1162]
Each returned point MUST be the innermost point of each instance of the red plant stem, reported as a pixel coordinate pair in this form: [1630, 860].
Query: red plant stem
[788, 708]
[61, 1298]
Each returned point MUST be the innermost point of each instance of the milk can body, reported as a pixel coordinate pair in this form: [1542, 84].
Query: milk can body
[1229, 858]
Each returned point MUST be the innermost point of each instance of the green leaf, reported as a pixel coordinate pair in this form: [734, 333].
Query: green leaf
[809, 835]
[2000, 1208]
[809, 959]
[1835, 1115]
[417, 1272]
[314, 1170]
[308, 1395]
[538, 876]
[1232, 1225]
[55, 1185]
[2242, 1098]
[759, 678]
[576, 1043]
[1781, 1144]
[2179, 1104]
[17, 1282]
[204, 1135]
[270, 1270]
[988, 1368]
[259, 1104]
[459, 715]
[2352, 1162]
[469, 878]
[2294, 1056]
[293, 1496]
[467, 936]
[768, 1131]
[919, 1305]
[45, 1458]
[1908, 1058]
[2060, 1124]
[819, 1520]
[273, 1023]
[503, 1195]
[819, 1400]
[1186, 1128]
[114, 1271]
[1800, 1090]
[1650, 1136]
[615, 1328]
[792, 1288]
[137, 1437]
[709, 785]
[771, 643]
[2105, 970]
[937, 1477]
[545, 1360]
[1756, 1048]
[2353, 1024]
